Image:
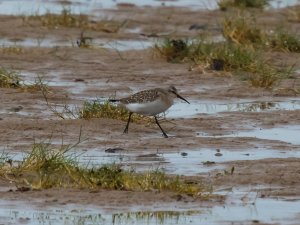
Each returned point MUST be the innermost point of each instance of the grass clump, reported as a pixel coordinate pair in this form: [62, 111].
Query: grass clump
[284, 41]
[265, 75]
[12, 79]
[174, 50]
[242, 61]
[46, 167]
[9, 79]
[232, 57]
[96, 109]
[242, 31]
[67, 19]
[225, 4]
[13, 49]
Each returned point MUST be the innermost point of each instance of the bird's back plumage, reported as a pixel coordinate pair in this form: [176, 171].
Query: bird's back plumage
[141, 97]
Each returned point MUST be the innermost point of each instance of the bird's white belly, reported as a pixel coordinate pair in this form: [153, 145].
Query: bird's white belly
[148, 108]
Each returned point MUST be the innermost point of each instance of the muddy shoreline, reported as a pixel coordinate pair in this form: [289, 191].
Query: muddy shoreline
[77, 74]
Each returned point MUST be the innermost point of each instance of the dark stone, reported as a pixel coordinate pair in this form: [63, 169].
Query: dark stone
[207, 163]
[23, 189]
[114, 150]
[198, 27]
[183, 154]
[79, 80]
[217, 64]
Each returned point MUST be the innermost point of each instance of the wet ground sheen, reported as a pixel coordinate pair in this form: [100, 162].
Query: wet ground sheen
[242, 141]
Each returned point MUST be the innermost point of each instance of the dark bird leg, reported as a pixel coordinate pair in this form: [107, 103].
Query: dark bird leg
[164, 133]
[126, 128]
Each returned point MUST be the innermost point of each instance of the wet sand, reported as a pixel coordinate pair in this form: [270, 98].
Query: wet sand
[228, 117]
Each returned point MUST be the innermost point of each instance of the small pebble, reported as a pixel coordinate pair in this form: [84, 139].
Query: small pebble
[183, 154]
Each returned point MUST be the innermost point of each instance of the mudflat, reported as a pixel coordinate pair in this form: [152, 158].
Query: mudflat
[227, 118]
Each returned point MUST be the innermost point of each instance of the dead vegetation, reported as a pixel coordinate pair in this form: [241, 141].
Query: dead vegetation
[12, 79]
[67, 19]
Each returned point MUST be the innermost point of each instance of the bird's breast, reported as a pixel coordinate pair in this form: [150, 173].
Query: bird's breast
[149, 108]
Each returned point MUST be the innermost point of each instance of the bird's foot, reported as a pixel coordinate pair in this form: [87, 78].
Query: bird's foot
[165, 135]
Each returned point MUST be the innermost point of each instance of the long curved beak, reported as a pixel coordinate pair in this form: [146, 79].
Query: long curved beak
[178, 96]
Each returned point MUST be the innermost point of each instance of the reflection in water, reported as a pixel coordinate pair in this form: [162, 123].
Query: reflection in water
[191, 163]
[240, 206]
[60, 216]
[198, 107]
[157, 217]
[257, 106]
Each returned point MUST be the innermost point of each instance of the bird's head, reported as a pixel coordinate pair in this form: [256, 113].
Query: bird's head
[173, 91]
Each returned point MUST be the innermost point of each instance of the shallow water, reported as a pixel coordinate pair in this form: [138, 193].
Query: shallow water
[183, 110]
[189, 162]
[186, 162]
[235, 210]
[119, 45]
[32, 7]
[289, 134]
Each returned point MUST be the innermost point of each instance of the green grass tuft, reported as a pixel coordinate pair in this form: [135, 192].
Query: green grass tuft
[225, 4]
[243, 62]
[96, 109]
[46, 167]
[285, 41]
[174, 50]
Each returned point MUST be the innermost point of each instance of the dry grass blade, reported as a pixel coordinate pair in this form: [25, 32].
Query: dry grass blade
[242, 30]
[9, 79]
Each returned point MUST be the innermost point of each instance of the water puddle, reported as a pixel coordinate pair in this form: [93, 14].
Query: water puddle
[125, 45]
[119, 45]
[289, 134]
[191, 162]
[181, 109]
[90, 215]
[206, 160]
[33, 7]
[245, 204]
[242, 205]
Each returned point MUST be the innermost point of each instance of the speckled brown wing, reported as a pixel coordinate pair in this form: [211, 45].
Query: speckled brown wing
[141, 97]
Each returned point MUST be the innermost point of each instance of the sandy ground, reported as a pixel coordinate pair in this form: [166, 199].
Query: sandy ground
[101, 73]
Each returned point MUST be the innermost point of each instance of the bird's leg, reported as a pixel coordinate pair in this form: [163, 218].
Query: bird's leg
[127, 125]
[164, 133]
